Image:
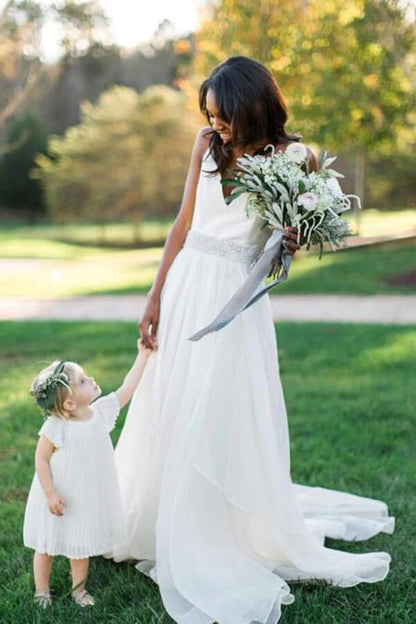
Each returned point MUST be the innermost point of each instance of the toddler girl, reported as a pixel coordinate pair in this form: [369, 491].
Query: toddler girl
[74, 506]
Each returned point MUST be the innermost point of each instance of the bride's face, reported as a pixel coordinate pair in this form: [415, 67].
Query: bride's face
[219, 125]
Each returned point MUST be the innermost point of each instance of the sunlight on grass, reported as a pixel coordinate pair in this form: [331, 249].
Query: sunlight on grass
[33, 263]
[92, 234]
[93, 272]
[392, 352]
[101, 271]
[40, 248]
[378, 223]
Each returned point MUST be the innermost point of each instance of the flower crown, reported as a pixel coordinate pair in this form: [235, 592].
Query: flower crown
[45, 393]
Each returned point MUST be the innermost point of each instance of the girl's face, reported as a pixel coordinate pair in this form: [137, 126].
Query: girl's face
[84, 389]
[219, 125]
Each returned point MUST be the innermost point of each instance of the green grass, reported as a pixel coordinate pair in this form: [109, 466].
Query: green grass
[380, 223]
[52, 269]
[35, 262]
[83, 271]
[113, 233]
[353, 271]
[351, 411]
[371, 223]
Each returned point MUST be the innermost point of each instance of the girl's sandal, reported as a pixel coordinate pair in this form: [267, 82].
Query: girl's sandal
[42, 599]
[83, 598]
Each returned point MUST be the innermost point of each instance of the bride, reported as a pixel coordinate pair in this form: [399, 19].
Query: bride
[203, 458]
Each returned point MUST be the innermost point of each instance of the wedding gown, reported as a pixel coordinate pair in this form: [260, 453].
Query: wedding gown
[203, 458]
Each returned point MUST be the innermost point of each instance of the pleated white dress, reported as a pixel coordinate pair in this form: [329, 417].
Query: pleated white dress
[84, 474]
[203, 458]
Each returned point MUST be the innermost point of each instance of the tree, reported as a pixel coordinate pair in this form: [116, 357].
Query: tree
[128, 157]
[345, 66]
[83, 23]
[18, 191]
[20, 66]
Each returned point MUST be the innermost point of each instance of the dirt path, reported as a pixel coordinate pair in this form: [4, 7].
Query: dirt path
[385, 309]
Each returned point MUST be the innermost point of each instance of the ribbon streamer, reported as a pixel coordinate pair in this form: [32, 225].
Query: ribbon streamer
[246, 295]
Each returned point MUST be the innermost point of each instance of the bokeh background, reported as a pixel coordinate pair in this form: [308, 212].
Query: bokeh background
[92, 129]
[98, 112]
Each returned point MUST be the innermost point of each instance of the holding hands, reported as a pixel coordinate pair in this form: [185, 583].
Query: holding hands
[149, 324]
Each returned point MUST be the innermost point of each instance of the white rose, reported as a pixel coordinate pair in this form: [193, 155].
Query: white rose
[308, 201]
[334, 187]
[296, 152]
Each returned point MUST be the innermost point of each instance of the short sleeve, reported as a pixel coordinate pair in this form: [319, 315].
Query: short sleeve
[108, 409]
[53, 429]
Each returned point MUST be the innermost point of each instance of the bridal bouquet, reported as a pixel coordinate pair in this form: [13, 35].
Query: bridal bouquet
[283, 191]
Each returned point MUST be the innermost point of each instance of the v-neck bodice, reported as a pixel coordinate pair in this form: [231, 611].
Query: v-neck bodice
[213, 217]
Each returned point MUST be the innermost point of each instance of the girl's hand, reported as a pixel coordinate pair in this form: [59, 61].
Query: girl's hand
[149, 323]
[143, 350]
[56, 504]
[290, 240]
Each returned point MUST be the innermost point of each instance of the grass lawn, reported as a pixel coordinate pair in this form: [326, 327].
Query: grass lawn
[371, 223]
[36, 262]
[48, 269]
[66, 270]
[113, 233]
[380, 223]
[352, 419]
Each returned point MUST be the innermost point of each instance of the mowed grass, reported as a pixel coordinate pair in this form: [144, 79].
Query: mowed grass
[47, 261]
[47, 269]
[66, 271]
[93, 234]
[381, 223]
[350, 396]
[372, 223]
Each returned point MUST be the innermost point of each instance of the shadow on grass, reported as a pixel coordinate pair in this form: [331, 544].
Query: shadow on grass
[355, 272]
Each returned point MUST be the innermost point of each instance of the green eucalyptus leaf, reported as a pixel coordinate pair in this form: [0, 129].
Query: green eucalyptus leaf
[229, 182]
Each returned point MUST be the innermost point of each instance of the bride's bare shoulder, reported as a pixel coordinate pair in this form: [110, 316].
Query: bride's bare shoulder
[201, 145]
[202, 139]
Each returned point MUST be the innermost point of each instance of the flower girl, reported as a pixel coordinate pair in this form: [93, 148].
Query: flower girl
[74, 506]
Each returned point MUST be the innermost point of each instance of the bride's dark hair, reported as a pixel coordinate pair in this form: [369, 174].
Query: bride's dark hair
[247, 98]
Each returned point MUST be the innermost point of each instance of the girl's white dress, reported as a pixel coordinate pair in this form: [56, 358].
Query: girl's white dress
[84, 474]
[203, 458]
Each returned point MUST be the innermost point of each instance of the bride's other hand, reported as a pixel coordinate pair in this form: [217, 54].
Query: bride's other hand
[149, 324]
[290, 240]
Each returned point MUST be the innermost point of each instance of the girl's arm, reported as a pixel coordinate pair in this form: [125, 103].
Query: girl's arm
[44, 450]
[133, 377]
[174, 242]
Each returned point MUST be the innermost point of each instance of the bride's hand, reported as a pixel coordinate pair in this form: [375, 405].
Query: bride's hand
[290, 240]
[149, 323]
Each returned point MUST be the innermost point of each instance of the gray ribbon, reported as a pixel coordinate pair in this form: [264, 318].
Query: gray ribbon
[245, 297]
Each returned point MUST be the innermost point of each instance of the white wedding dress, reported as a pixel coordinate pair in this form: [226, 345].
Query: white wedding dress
[203, 458]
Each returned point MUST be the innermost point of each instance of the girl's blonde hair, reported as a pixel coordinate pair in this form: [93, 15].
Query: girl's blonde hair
[52, 387]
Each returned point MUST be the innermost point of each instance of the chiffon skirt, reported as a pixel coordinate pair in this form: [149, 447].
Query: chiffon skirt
[204, 468]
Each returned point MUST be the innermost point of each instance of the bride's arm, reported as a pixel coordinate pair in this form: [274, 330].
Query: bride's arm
[174, 243]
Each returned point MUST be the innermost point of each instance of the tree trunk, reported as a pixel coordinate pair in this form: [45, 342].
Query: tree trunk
[359, 180]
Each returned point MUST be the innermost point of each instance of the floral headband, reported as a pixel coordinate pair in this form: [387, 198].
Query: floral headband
[45, 393]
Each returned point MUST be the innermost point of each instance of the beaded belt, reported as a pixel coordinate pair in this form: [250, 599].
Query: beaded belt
[230, 248]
